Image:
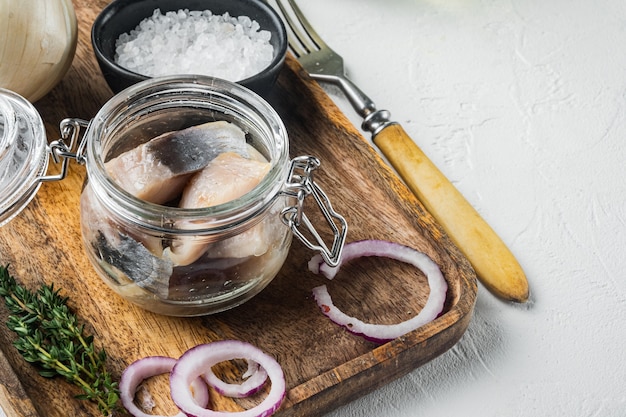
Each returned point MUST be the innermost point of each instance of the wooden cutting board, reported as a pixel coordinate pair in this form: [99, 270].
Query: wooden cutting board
[324, 365]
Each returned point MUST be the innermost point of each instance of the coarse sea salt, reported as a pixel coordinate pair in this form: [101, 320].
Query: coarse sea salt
[195, 42]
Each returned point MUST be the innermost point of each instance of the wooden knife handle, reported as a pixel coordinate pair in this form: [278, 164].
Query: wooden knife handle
[495, 265]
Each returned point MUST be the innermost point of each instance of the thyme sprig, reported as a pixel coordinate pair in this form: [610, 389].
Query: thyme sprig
[51, 337]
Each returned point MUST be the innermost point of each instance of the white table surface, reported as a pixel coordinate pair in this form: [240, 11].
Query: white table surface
[522, 104]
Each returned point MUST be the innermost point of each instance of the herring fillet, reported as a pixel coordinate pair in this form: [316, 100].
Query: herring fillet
[158, 170]
[226, 178]
[122, 256]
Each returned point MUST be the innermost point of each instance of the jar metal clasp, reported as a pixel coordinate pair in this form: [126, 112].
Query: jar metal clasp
[299, 185]
[62, 150]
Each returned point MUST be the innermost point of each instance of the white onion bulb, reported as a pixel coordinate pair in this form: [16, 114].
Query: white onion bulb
[37, 45]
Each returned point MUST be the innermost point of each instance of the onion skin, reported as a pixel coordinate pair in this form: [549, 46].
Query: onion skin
[197, 360]
[380, 333]
[187, 385]
[142, 369]
[37, 45]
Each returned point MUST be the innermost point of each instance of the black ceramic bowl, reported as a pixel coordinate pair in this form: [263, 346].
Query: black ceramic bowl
[122, 16]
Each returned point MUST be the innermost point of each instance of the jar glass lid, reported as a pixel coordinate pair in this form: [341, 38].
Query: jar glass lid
[23, 154]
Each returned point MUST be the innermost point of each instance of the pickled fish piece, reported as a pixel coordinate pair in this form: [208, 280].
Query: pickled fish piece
[157, 171]
[253, 242]
[128, 262]
[254, 154]
[122, 256]
[226, 178]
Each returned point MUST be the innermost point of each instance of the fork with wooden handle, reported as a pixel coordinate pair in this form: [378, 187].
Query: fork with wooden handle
[495, 265]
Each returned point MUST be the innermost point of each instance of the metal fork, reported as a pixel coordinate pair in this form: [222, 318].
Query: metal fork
[494, 264]
[325, 65]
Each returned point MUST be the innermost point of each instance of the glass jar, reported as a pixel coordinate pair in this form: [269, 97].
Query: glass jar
[23, 153]
[189, 261]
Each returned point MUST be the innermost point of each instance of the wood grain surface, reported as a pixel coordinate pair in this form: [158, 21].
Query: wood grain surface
[324, 365]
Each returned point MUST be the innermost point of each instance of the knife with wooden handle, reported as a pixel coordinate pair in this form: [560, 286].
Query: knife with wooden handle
[495, 265]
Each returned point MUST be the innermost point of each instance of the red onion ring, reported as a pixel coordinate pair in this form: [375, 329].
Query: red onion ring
[147, 367]
[381, 333]
[200, 359]
[254, 377]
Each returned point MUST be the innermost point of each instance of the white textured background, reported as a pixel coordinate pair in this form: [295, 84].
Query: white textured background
[522, 104]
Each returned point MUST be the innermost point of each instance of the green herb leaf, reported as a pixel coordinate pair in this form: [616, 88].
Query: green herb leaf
[49, 335]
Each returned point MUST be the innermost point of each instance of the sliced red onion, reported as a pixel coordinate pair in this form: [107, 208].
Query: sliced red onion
[254, 379]
[150, 366]
[381, 332]
[200, 359]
